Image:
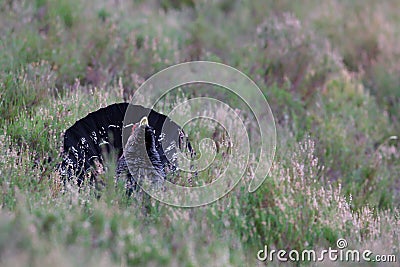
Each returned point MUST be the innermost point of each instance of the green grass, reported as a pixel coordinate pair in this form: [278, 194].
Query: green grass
[329, 71]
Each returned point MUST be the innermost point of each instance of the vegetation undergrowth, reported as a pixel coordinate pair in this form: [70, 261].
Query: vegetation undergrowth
[335, 99]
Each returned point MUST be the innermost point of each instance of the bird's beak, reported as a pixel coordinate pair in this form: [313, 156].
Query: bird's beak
[144, 122]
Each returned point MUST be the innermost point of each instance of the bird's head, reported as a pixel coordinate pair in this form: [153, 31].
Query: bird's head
[141, 143]
[142, 124]
[142, 132]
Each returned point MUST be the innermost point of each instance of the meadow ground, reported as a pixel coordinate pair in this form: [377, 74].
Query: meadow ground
[330, 71]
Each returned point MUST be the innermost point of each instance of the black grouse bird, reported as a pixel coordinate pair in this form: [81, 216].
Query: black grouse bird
[140, 161]
[92, 139]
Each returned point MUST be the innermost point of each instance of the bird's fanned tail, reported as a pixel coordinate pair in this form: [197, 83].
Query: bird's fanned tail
[98, 136]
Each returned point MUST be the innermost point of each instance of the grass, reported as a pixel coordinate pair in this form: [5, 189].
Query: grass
[335, 100]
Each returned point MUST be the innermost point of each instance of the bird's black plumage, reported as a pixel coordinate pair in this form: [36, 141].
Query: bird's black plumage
[100, 133]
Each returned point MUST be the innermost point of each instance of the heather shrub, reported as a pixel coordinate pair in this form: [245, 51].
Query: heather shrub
[25, 88]
[297, 207]
[368, 44]
[293, 56]
[350, 142]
